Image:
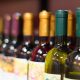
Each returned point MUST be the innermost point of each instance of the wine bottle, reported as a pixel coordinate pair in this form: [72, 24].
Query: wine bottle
[73, 60]
[24, 50]
[6, 33]
[55, 59]
[52, 31]
[15, 41]
[71, 30]
[36, 65]
[1, 33]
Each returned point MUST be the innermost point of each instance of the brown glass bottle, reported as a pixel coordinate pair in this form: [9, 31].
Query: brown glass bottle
[52, 31]
[71, 30]
[15, 35]
[6, 32]
[1, 33]
[24, 50]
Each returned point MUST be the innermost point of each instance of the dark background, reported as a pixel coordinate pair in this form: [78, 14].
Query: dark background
[34, 6]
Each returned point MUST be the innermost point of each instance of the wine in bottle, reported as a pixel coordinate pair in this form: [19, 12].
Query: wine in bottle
[73, 60]
[52, 30]
[6, 33]
[36, 65]
[15, 30]
[24, 50]
[71, 30]
[55, 59]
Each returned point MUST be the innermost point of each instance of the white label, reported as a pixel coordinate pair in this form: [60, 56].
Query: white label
[52, 76]
[36, 70]
[13, 68]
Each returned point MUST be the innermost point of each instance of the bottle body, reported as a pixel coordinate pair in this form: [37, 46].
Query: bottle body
[24, 50]
[55, 62]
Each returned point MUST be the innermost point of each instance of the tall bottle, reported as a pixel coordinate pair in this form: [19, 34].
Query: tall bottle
[1, 33]
[52, 30]
[55, 59]
[27, 45]
[15, 41]
[36, 65]
[71, 30]
[6, 33]
[73, 60]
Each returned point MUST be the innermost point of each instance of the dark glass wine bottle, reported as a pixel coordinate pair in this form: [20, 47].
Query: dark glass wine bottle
[55, 59]
[36, 65]
[15, 30]
[73, 60]
[1, 33]
[43, 46]
[24, 50]
[6, 33]
[71, 30]
[52, 31]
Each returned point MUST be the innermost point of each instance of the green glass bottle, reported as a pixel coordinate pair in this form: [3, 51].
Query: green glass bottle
[73, 60]
[55, 59]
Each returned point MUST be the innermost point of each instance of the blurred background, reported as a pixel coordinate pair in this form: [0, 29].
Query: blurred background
[34, 6]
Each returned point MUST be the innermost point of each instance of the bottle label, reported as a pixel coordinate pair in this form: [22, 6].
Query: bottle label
[13, 68]
[51, 76]
[36, 70]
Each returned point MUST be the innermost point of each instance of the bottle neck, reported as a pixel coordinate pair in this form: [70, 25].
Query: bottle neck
[52, 41]
[36, 40]
[60, 40]
[78, 42]
[70, 39]
[28, 39]
[44, 39]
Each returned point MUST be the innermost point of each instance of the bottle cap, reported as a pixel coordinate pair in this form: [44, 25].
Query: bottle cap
[28, 24]
[61, 13]
[44, 14]
[28, 15]
[7, 24]
[61, 22]
[78, 22]
[70, 26]
[15, 24]
[44, 23]
[52, 25]
[1, 25]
